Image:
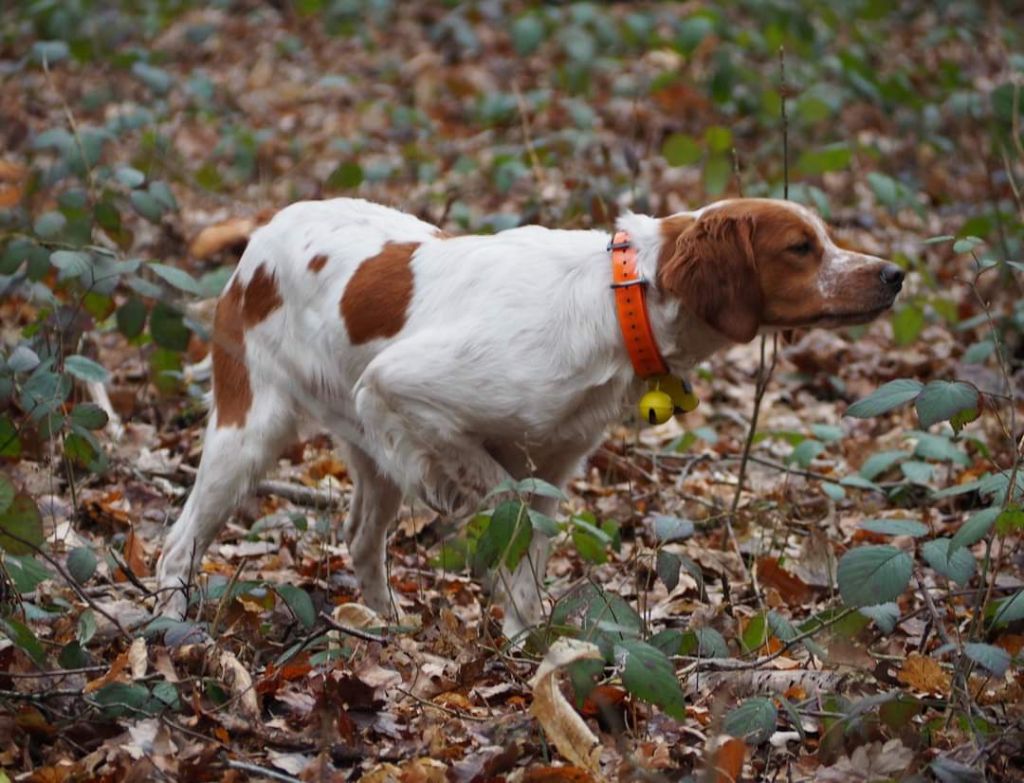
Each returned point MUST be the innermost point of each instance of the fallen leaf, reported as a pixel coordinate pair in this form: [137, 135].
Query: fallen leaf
[924, 674]
[727, 760]
[563, 726]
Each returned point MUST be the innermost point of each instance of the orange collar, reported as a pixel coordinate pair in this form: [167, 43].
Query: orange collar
[630, 288]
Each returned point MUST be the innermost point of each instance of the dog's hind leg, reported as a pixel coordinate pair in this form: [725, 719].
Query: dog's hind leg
[372, 510]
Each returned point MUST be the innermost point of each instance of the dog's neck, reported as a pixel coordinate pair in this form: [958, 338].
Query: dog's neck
[677, 332]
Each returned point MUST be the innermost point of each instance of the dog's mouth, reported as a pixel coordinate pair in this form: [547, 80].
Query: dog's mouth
[835, 319]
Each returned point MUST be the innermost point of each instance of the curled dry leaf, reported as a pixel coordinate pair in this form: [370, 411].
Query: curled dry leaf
[239, 682]
[561, 723]
[138, 659]
[213, 239]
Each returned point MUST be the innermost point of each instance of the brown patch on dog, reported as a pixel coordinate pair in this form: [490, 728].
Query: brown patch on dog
[671, 227]
[261, 297]
[377, 296]
[316, 263]
[232, 394]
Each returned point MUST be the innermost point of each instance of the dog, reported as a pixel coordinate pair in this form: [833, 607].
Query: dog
[445, 365]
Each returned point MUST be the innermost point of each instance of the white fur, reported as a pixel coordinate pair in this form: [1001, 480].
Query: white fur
[510, 363]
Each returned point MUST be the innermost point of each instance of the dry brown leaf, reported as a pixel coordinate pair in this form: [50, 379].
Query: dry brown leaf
[134, 557]
[116, 673]
[239, 683]
[727, 760]
[924, 674]
[138, 660]
[557, 775]
[793, 589]
[213, 239]
[561, 723]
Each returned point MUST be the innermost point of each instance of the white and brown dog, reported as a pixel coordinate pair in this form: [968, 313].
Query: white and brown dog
[446, 365]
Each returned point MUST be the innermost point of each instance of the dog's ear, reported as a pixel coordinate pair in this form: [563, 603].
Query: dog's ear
[712, 270]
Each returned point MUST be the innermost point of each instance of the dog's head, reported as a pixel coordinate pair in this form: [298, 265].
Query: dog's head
[747, 265]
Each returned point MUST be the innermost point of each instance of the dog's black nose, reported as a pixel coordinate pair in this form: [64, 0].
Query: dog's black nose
[891, 275]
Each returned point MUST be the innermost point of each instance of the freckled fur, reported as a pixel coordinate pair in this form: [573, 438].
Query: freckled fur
[457, 363]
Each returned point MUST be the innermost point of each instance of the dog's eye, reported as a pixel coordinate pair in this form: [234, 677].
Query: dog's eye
[801, 248]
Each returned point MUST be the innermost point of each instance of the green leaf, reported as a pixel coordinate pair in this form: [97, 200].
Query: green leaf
[907, 324]
[346, 176]
[886, 189]
[958, 566]
[156, 79]
[26, 572]
[974, 529]
[718, 138]
[668, 641]
[995, 659]
[886, 398]
[829, 433]
[540, 488]
[299, 602]
[178, 278]
[147, 205]
[131, 317]
[834, 491]
[753, 721]
[527, 34]
[967, 244]
[590, 548]
[89, 416]
[71, 263]
[806, 451]
[49, 225]
[544, 523]
[717, 172]
[649, 675]
[168, 328]
[884, 615]
[85, 369]
[1009, 521]
[895, 527]
[86, 627]
[978, 352]
[869, 575]
[23, 638]
[668, 529]
[755, 635]
[681, 150]
[877, 464]
[704, 642]
[917, 472]
[50, 51]
[939, 447]
[72, 656]
[833, 157]
[22, 520]
[942, 400]
[1009, 609]
[129, 177]
[667, 566]
[81, 564]
[7, 493]
[162, 192]
[507, 536]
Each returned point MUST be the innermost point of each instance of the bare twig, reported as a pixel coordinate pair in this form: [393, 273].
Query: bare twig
[358, 633]
[255, 769]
